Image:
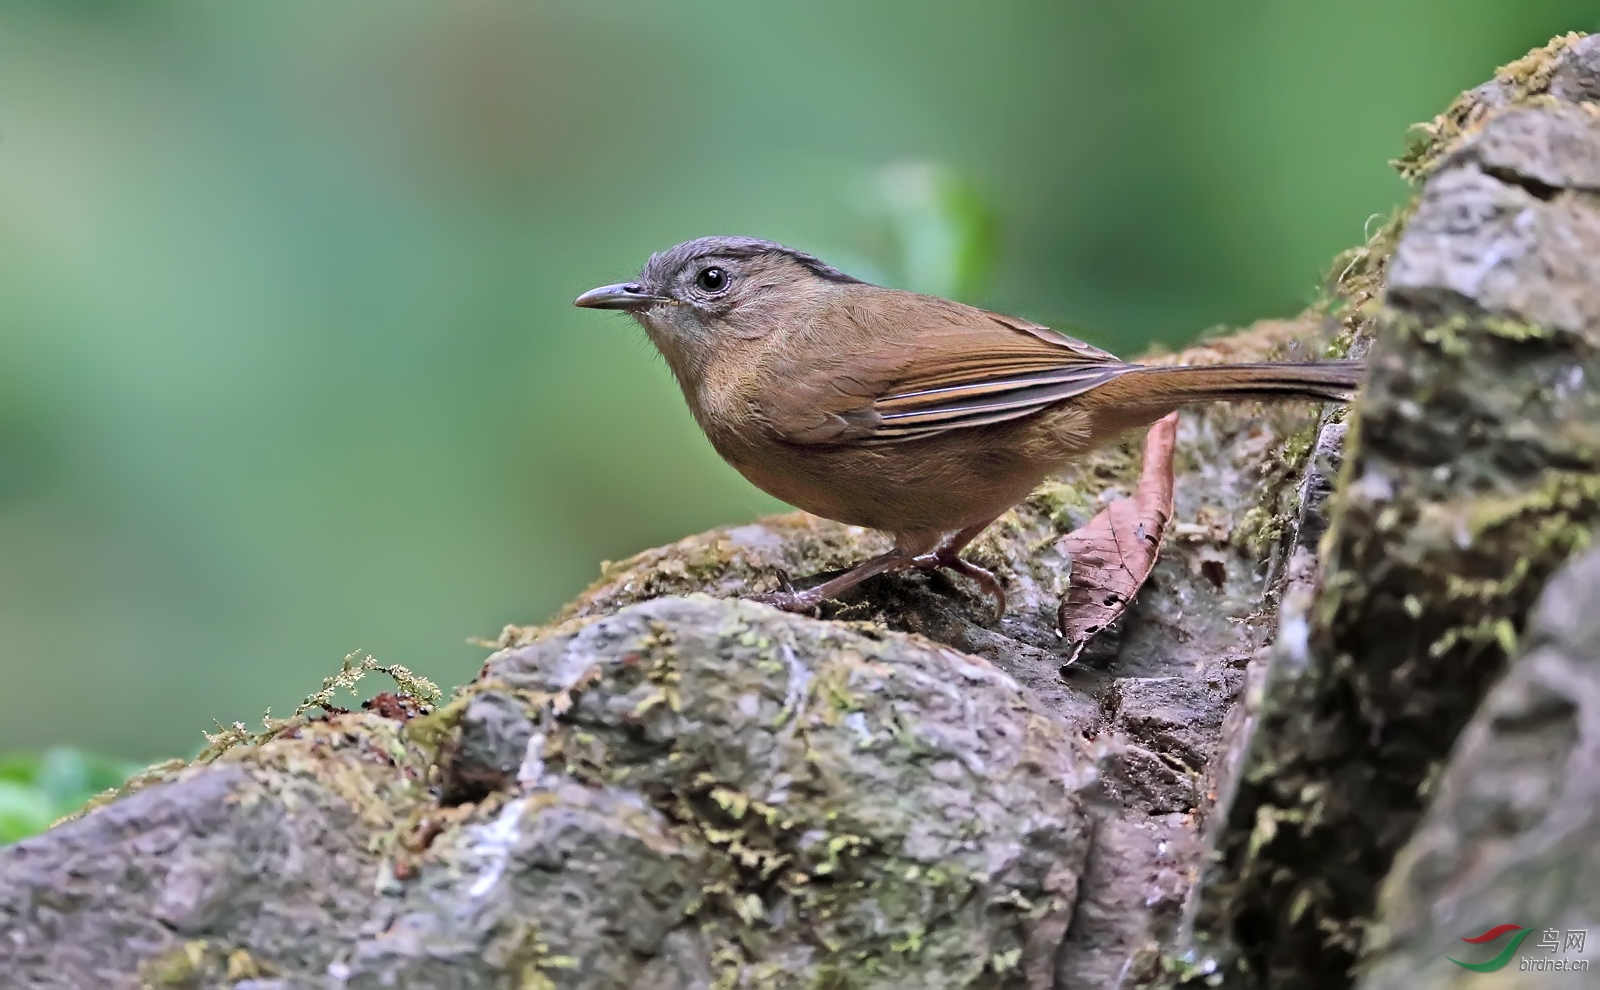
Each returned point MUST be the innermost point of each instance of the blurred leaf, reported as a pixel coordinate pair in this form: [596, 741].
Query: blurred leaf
[942, 228]
[38, 788]
[24, 811]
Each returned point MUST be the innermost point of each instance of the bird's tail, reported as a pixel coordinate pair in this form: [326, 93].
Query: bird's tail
[1145, 393]
[1320, 381]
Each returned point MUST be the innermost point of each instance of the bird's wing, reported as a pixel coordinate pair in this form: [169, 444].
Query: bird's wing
[928, 369]
[981, 374]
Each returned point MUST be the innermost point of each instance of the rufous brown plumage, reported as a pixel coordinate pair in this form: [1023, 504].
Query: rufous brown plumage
[914, 415]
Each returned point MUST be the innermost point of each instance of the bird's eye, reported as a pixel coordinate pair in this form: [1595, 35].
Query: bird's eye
[712, 279]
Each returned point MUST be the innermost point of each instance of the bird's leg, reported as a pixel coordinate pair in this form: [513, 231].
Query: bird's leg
[949, 555]
[806, 601]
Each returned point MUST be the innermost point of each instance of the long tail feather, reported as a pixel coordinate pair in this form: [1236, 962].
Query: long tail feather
[1169, 387]
[1143, 394]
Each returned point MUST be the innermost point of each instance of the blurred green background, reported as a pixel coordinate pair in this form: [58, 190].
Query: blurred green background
[288, 362]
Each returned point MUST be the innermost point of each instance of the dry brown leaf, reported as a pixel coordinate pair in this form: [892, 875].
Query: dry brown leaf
[1112, 554]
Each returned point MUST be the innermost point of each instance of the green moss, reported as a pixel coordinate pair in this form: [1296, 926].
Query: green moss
[351, 671]
[433, 730]
[181, 966]
[1259, 531]
[382, 780]
[1297, 445]
[1515, 330]
[1264, 524]
[1518, 82]
[1154, 970]
[1067, 506]
[200, 963]
[364, 759]
[1537, 528]
[1352, 294]
[812, 857]
[1453, 337]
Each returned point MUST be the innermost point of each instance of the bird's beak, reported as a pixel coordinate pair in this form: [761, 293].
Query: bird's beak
[624, 295]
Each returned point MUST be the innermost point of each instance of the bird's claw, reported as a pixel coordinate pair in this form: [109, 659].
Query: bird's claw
[986, 581]
[798, 602]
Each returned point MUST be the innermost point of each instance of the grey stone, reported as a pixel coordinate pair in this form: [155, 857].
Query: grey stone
[489, 748]
[1511, 833]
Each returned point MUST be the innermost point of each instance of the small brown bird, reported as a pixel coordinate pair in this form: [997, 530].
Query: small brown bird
[910, 414]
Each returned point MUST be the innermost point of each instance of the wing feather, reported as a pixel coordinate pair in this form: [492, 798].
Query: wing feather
[907, 415]
[934, 366]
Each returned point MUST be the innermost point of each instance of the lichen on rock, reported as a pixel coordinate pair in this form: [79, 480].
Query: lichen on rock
[1471, 475]
[819, 805]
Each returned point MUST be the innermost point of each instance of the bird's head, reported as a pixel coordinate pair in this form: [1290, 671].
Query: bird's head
[695, 296]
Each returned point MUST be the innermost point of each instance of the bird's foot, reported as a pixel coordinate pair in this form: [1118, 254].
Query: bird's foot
[809, 601]
[788, 599]
[985, 580]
